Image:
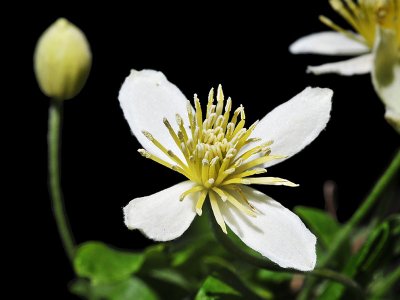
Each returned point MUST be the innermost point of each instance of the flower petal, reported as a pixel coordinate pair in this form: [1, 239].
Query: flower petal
[386, 74]
[275, 232]
[355, 66]
[294, 124]
[146, 97]
[162, 216]
[327, 43]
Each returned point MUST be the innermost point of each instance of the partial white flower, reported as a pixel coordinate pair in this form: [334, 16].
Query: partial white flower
[212, 148]
[364, 17]
[386, 74]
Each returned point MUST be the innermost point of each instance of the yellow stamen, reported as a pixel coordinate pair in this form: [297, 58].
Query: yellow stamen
[220, 100]
[213, 165]
[194, 189]
[251, 172]
[182, 129]
[192, 121]
[210, 102]
[228, 108]
[343, 31]
[270, 181]
[200, 202]
[259, 161]
[220, 193]
[204, 171]
[364, 16]
[240, 206]
[147, 154]
[217, 212]
[172, 132]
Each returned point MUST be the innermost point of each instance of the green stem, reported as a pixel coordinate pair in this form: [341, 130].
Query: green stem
[361, 212]
[55, 121]
[376, 192]
[260, 262]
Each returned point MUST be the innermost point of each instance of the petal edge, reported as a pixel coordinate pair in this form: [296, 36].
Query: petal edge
[146, 97]
[355, 66]
[162, 216]
[327, 43]
[276, 233]
[296, 123]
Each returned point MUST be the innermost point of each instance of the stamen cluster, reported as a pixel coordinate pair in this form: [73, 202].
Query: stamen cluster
[217, 154]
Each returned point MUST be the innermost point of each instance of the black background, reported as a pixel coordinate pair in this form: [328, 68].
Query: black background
[245, 48]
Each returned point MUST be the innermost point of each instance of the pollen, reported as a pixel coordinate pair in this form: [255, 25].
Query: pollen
[219, 154]
[364, 16]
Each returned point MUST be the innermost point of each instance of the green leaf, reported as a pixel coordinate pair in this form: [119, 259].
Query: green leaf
[227, 273]
[372, 250]
[272, 285]
[155, 256]
[171, 276]
[321, 223]
[218, 263]
[214, 288]
[130, 288]
[102, 264]
[378, 248]
[194, 248]
[267, 276]
[80, 287]
[384, 287]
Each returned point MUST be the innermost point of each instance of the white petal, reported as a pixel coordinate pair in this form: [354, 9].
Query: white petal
[386, 74]
[328, 43]
[275, 232]
[355, 66]
[296, 123]
[162, 216]
[146, 97]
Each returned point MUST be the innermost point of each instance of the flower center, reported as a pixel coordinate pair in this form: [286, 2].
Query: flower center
[218, 154]
[364, 16]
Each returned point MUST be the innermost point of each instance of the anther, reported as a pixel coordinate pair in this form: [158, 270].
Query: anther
[180, 136]
[165, 121]
[238, 163]
[148, 135]
[214, 160]
[179, 120]
[229, 171]
[229, 129]
[242, 114]
[219, 121]
[144, 153]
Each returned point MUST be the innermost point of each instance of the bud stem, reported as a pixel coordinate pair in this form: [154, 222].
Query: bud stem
[54, 142]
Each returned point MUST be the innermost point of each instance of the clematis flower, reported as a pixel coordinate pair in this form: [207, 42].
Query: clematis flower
[364, 16]
[386, 74]
[211, 147]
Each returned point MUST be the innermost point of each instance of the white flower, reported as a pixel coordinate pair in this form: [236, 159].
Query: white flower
[386, 74]
[364, 16]
[219, 156]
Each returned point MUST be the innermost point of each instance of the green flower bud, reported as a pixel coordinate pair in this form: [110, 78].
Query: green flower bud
[62, 60]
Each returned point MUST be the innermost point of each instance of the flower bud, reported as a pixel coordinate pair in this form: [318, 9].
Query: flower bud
[62, 60]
